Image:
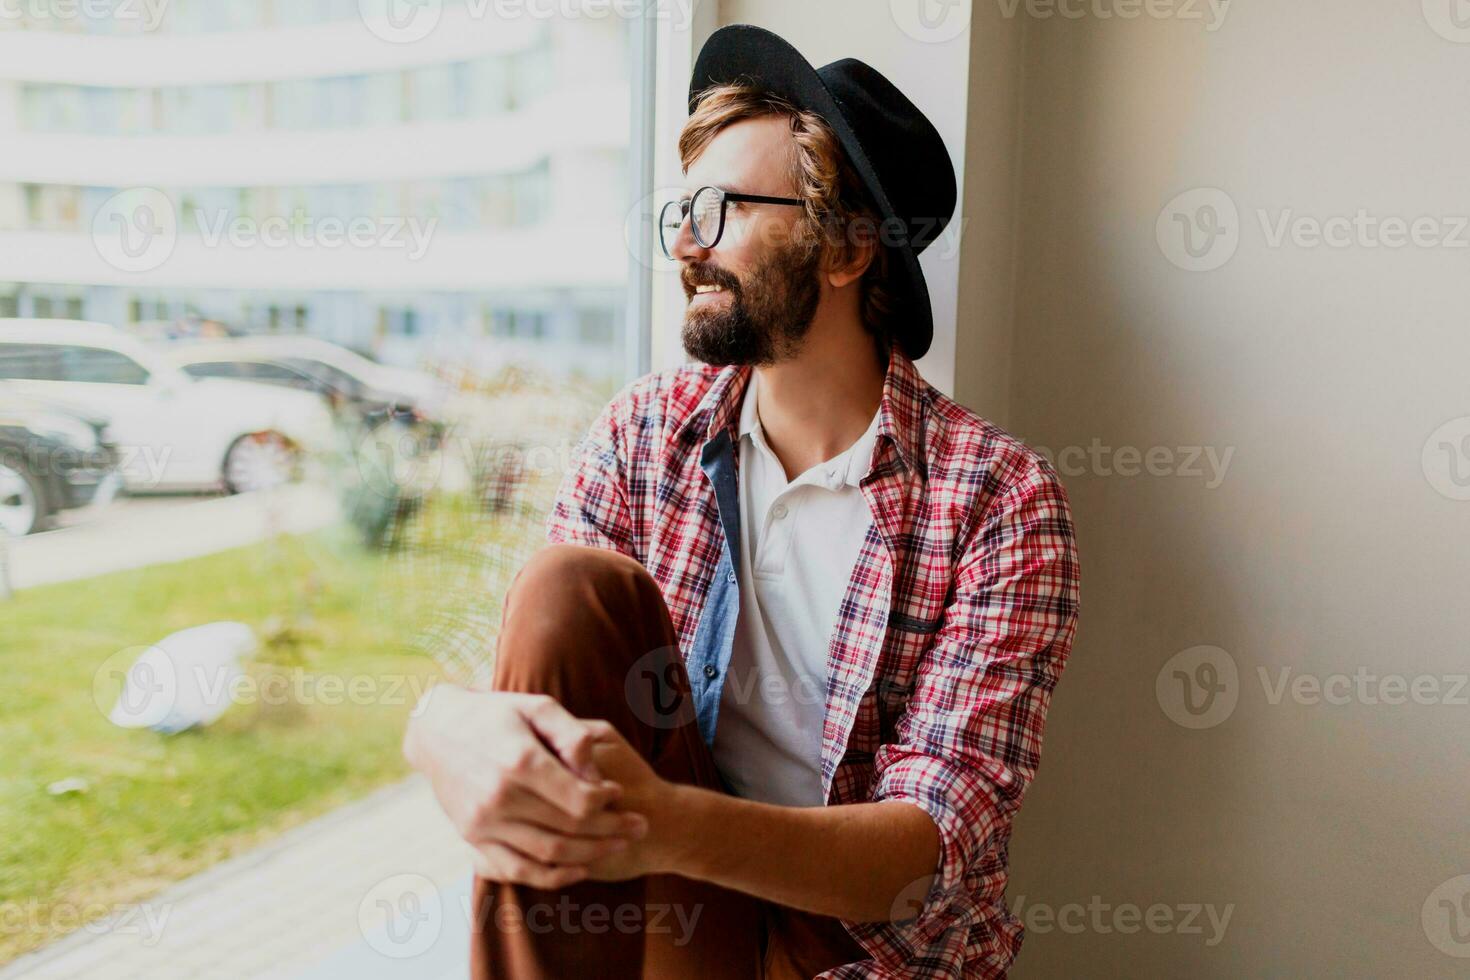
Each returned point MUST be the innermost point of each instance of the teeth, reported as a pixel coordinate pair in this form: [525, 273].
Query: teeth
[707, 289]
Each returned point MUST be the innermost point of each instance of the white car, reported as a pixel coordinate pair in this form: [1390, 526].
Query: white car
[375, 392]
[173, 432]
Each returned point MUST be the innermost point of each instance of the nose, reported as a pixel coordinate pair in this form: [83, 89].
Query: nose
[685, 249]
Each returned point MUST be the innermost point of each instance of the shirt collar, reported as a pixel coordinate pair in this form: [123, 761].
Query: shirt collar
[900, 413]
[855, 460]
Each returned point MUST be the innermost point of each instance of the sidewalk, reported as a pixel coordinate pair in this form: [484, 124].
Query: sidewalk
[375, 890]
[134, 532]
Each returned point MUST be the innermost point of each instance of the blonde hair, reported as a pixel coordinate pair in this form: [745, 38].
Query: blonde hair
[837, 203]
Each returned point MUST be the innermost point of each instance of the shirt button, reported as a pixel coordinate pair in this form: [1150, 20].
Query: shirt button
[730, 577]
[710, 671]
[778, 511]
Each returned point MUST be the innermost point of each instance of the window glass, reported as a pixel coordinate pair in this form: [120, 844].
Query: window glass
[96, 365]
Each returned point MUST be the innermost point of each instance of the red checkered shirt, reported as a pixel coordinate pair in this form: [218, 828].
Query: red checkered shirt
[957, 621]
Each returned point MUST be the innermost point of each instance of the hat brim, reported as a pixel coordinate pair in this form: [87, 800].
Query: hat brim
[754, 54]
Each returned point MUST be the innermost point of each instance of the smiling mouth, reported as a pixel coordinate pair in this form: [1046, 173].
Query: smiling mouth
[707, 289]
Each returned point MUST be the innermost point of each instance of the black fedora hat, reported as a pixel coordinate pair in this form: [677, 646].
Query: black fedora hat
[898, 153]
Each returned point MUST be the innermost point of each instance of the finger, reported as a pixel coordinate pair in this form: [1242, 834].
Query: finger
[526, 807]
[543, 774]
[555, 849]
[570, 737]
[497, 862]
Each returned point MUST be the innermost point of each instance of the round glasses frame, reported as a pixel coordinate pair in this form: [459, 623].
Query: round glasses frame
[668, 226]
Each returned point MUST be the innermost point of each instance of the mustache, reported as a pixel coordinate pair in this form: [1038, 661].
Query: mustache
[708, 275]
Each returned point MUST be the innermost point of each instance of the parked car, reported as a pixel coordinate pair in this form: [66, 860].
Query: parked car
[374, 393]
[172, 431]
[51, 460]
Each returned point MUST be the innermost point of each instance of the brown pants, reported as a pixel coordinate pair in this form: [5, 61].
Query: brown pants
[590, 628]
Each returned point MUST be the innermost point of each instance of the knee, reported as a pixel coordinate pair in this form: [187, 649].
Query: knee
[582, 600]
[571, 574]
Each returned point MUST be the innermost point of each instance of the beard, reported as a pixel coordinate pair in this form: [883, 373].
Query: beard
[768, 313]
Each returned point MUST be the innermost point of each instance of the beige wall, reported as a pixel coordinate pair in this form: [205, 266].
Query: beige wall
[1326, 549]
[1331, 546]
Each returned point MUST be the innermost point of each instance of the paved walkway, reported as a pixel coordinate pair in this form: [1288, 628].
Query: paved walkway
[375, 890]
[134, 532]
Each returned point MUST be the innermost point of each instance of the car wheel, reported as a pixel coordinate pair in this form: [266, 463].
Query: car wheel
[22, 504]
[259, 461]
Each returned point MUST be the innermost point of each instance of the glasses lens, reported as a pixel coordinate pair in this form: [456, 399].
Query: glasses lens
[705, 210]
[670, 220]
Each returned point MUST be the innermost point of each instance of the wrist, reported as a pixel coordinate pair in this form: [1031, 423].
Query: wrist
[418, 734]
[690, 813]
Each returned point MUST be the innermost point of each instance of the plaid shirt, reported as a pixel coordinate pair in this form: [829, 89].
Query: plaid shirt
[957, 621]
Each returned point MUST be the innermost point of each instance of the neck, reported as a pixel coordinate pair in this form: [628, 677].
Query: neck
[816, 404]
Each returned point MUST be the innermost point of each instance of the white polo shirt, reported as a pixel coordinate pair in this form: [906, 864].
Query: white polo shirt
[798, 544]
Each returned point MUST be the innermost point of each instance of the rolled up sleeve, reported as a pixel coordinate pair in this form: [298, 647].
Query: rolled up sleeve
[591, 506]
[969, 740]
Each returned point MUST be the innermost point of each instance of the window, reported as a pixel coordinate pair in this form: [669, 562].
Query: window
[30, 362]
[95, 365]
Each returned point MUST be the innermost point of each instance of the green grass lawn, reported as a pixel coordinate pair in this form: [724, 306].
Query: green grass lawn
[160, 807]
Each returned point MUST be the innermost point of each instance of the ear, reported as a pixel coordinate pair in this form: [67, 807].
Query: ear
[862, 248]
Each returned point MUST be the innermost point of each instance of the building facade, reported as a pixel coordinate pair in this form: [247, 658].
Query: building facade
[455, 195]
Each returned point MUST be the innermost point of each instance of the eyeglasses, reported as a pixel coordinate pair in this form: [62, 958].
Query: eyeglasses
[707, 208]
